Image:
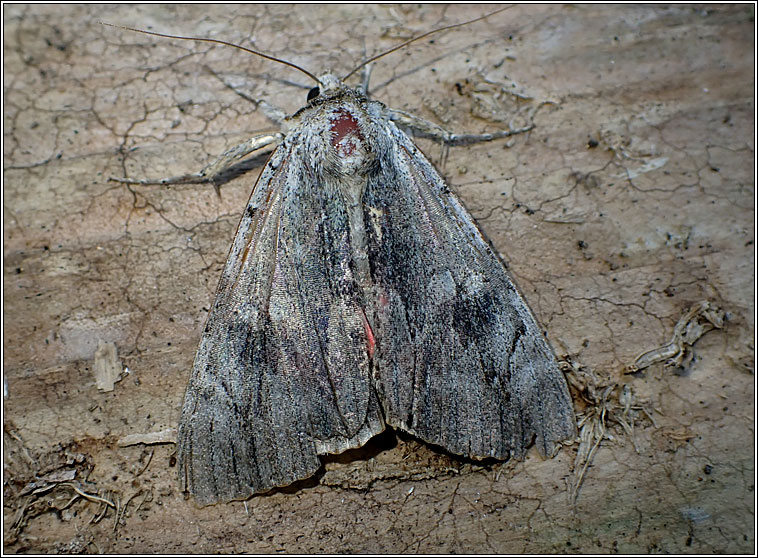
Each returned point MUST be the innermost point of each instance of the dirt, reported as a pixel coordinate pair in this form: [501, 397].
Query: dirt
[631, 201]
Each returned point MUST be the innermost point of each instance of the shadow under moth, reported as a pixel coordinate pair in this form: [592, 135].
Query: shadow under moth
[359, 293]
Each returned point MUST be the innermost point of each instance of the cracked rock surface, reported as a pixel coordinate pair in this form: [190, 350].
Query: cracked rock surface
[630, 201]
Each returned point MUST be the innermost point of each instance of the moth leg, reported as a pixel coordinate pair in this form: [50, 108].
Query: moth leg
[365, 77]
[275, 114]
[209, 173]
[425, 129]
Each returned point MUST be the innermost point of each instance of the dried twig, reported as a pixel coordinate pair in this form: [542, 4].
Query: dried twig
[609, 406]
[696, 322]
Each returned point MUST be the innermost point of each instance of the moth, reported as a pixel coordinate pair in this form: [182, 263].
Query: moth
[359, 293]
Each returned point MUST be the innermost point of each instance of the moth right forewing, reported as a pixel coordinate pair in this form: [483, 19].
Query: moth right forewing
[461, 361]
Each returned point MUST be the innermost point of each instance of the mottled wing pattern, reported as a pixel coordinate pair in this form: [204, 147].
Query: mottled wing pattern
[460, 360]
[266, 395]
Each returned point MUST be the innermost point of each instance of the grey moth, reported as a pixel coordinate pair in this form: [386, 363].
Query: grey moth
[358, 294]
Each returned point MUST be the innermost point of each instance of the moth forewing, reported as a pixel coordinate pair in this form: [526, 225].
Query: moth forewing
[484, 380]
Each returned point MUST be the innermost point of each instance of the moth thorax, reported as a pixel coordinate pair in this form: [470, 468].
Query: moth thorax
[350, 151]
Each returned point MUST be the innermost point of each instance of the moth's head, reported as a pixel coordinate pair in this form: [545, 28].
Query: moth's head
[329, 86]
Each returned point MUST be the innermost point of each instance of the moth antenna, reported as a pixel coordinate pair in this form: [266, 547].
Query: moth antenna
[414, 39]
[220, 42]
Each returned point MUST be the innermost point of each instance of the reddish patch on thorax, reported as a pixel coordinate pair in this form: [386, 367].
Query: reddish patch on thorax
[345, 133]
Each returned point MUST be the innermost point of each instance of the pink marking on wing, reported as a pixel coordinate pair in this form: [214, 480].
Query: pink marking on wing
[371, 341]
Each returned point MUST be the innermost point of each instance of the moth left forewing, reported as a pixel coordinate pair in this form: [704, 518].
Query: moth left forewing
[461, 361]
[268, 391]
[319, 325]
[236, 416]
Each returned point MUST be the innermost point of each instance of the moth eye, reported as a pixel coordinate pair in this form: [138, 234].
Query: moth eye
[313, 93]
